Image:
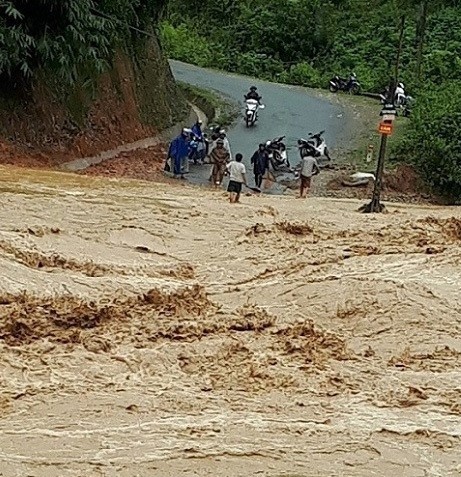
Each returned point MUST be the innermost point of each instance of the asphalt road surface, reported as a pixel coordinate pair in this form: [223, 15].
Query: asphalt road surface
[291, 111]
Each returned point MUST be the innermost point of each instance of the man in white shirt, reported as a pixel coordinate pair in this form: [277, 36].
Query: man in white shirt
[237, 176]
[310, 167]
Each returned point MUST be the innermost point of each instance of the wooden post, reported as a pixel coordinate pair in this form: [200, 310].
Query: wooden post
[375, 205]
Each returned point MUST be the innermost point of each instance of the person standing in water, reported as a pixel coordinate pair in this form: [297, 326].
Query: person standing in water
[310, 167]
[237, 176]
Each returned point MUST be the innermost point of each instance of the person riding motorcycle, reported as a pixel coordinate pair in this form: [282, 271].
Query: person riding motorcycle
[197, 130]
[253, 94]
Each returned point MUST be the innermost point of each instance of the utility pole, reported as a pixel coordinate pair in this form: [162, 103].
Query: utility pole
[388, 114]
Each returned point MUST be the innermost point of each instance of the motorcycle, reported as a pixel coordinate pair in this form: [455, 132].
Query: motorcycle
[407, 106]
[351, 86]
[401, 100]
[315, 145]
[278, 154]
[251, 111]
[198, 149]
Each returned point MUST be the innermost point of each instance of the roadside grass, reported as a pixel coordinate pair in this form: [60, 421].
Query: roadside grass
[365, 117]
[217, 108]
[372, 137]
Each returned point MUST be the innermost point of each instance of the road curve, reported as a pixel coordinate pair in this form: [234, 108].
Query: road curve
[291, 111]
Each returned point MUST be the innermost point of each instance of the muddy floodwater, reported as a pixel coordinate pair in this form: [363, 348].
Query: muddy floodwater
[154, 330]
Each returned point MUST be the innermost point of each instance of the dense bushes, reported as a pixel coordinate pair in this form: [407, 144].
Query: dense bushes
[433, 142]
[66, 37]
[306, 42]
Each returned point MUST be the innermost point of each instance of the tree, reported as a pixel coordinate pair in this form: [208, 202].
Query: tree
[66, 35]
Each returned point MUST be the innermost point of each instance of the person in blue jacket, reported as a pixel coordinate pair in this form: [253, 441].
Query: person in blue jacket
[197, 130]
[179, 149]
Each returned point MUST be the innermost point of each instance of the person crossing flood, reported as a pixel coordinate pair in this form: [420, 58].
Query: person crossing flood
[219, 157]
[237, 177]
[225, 142]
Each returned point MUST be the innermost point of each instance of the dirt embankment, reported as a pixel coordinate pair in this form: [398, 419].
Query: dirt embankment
[56, 123]
[399, 185]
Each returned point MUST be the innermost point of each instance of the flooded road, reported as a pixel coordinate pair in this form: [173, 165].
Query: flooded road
[154, 330]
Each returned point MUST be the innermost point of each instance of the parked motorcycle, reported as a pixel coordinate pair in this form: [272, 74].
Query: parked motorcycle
[278, 154]
[407, 106]
[401, 100]
[400, 96]
[251, 111]
[315, 145]
[351, 85]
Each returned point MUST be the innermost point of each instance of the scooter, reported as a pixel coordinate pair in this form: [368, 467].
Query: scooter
[401, 101]
[278, 155]
[251, 111]
[351, 85]
[407, 106]
[315, 145]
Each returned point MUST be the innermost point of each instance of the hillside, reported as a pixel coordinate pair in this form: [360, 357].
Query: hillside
[77, 79]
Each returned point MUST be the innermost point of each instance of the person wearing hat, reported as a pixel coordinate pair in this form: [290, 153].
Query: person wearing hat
[219, 157]
[187, 132]
[253, 94]
[223, 136]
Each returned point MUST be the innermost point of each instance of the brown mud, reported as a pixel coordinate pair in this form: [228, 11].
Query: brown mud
[154, 330]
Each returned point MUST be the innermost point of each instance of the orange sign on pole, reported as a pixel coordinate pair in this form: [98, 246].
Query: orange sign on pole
[385, 128]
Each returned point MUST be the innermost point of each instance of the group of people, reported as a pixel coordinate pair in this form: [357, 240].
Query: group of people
[223, 165]
[193, 145]
[309, 168]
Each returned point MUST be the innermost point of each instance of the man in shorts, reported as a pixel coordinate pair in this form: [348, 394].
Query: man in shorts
[237, 176]
[310, 167]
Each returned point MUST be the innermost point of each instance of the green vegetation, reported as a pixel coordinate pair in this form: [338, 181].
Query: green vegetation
[53, 54]
[433, 142]
[67, 37]
[306, 42]
[217, 109]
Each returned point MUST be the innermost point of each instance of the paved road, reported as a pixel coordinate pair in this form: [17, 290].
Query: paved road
[291, 111]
